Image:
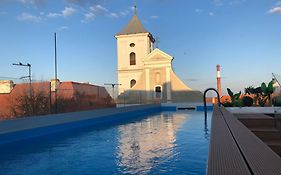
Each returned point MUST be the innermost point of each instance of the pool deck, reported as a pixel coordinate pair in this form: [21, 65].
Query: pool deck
[31, 127]
[234, 149]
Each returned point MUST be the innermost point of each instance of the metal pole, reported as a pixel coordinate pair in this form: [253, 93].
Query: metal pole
[112, 85]
[30, 88]
[56, 75]
[113, 91]
[276, 79]
[50, 93]
[29, 70]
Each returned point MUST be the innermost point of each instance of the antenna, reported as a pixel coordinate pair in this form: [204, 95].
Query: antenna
[157, 41]
[276, 79]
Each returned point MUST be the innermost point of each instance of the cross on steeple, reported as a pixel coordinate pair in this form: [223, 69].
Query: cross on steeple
[135, 7]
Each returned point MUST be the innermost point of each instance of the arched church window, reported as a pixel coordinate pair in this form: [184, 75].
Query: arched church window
[132, 45]
[132, 58]
[133, 83]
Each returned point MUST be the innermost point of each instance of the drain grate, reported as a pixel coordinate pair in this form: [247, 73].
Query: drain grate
[186, 108]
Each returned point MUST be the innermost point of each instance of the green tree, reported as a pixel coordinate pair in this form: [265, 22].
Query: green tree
[235, 98]
[267, 91]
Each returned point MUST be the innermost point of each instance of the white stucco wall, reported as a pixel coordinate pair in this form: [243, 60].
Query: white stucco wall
[142, 48]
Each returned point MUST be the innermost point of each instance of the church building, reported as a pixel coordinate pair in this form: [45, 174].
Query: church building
[145, 73]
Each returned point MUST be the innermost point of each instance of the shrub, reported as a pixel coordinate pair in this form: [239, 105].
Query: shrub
[227, 104]
[235, 101]
[247, 101]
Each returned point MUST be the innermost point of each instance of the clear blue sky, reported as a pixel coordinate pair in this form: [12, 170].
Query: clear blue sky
[243, 36]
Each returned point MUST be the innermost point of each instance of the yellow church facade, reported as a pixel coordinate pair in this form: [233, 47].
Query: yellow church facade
[145, 73]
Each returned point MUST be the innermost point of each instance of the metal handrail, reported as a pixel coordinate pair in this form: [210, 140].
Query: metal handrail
[205, 104]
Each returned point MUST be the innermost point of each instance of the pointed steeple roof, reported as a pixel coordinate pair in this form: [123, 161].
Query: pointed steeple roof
[133, 27]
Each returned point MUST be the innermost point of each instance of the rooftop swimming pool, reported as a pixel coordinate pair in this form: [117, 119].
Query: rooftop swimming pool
[161, 143]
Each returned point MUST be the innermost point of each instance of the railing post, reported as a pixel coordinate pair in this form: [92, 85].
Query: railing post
[204, 98]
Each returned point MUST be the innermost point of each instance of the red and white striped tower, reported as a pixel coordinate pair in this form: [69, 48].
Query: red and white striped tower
[219, 79]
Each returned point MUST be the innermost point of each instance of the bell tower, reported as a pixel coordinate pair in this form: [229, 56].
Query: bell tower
[134, 42]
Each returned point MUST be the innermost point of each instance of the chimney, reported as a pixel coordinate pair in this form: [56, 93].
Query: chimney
[219, 79]
[6, 86]
[55, 83]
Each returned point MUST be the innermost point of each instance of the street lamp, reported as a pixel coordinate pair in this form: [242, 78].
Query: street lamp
[113, 85]
[29, 76]
[29, 73]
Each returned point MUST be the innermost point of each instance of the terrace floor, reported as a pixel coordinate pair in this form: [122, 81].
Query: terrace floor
[234, 149]
[264, 127]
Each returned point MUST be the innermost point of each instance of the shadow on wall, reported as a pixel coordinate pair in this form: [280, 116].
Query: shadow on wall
[159, 95]
[81, 101]
[22, 101]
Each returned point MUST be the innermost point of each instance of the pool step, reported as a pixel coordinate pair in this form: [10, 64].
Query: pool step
[258, 123]
[267, 134]
[275, 146]
[264, 127]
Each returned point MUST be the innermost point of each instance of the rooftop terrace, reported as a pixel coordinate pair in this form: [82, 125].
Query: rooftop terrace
[234, 149]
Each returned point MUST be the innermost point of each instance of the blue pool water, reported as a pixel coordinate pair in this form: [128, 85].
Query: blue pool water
[163, 143]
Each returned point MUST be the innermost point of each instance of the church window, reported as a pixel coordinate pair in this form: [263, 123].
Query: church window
[132, 58]
[133, 83]
[132, 45]
[158, 91]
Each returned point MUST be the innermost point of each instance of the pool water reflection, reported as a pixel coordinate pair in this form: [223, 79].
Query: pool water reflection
[142, 145]
[165, 143]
